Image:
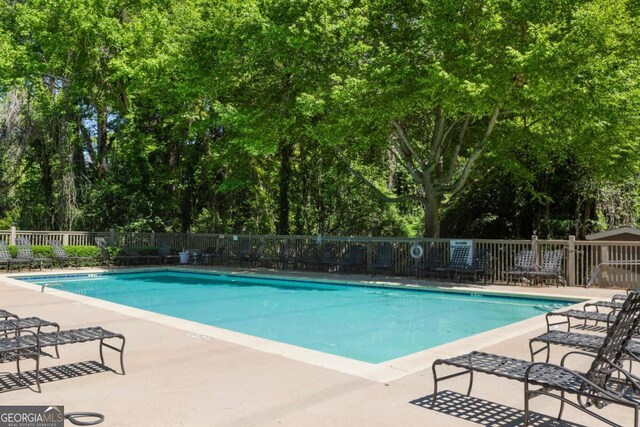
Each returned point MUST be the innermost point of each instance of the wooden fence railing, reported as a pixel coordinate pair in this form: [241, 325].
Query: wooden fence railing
[580, 261]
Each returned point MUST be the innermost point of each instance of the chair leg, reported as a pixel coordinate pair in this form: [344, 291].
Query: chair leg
[119, 350]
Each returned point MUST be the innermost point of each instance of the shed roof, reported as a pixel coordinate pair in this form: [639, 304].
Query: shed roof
[614, 232]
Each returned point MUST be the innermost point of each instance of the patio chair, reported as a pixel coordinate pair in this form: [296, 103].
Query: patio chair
[257, 255]
[62, 258]
[524, 263]
[28, 345]
[586, 342]
[352, 259]
[383, 258]
[310, 257]
[243, 253]
[434, 260]
[585, 316]
[480, 266]
[105, 255]
[215, 256]
[551, 268]
[286, 256]
[459, 261]
[167, 255]
[136, 257]
[595, 388]
[9, 261]
[5, 315]
[327, 260]
[16, 325]
[25, 251]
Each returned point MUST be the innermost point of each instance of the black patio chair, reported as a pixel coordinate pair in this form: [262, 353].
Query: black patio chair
[257, 256]
[524, 264]
[105, 254]
[62, 258]
[243, 253]
[353, 259]
[25, 251]
[434, 260]
[29, 345]
[480, 266]
[286, 256]
[551, 268]
[593, 389]
[9, 261]
[327, 259]
[383, 260]
[459, 261]
[137, 258]
[167, 254]
[309, 257]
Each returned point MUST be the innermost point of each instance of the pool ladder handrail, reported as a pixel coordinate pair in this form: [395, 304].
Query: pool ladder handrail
[614, 263]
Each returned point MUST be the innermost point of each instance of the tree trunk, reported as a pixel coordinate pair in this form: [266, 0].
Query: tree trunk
[285, 179]
[432, 219]
[102, 136]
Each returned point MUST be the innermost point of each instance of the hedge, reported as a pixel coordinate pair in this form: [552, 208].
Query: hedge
[81, 251]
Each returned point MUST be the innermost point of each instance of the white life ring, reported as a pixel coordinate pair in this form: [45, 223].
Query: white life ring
[416, 251]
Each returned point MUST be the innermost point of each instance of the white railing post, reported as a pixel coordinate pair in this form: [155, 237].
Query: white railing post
[65, 239]
[604, 261]
[571, 261]
[12, 236]
[112, 237]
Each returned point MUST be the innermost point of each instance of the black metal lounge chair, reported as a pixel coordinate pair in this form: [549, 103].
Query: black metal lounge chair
[585, 316]
[28, 345]
[137, 258]
[310, 257]
[352, 259]
[459, 261]
[26, 252]
[383, 258]
[524, 264]
[9, 261]
[257, 255]
[327, 260]
[63, 259]
[20, 323]
[4, 314]
[551, 268]
[105, 254]
[586, 342]
[167, 255]
[480, 266]
[16, 325]
[434, 260]
[243, 253]
[286, 256]
[595, 388]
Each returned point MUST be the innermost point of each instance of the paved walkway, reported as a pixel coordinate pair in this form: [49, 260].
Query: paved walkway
[175, 377]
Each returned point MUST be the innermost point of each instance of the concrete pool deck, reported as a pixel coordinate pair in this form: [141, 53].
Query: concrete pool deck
[185, 373]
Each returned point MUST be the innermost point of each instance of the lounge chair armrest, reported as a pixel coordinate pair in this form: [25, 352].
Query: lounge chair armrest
[577, 353]
[549, 324]
[585, 381]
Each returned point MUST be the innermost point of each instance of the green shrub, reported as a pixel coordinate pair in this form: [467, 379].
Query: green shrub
[42, 251]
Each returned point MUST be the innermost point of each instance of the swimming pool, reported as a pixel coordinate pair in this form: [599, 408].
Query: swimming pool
[371, 324]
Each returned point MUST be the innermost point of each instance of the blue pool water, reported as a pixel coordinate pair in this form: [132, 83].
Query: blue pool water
[365, 323]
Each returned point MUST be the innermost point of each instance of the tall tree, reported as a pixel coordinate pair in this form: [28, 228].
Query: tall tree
[444, 84]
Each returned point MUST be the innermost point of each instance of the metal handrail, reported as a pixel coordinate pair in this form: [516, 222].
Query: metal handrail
[595, 273]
